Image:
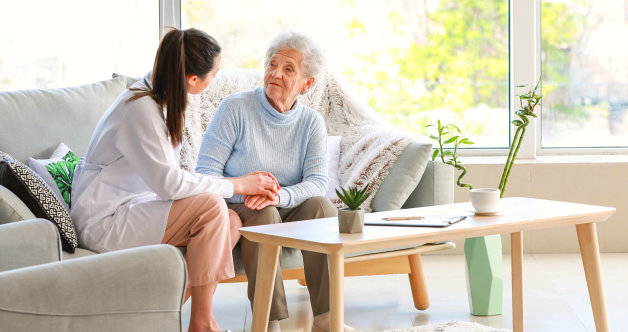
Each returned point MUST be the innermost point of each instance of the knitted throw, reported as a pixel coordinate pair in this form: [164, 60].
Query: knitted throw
[369, 147]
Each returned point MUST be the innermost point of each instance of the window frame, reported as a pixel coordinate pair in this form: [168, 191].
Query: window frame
[525, 69]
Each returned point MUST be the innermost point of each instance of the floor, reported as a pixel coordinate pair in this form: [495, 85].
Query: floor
[555, 297]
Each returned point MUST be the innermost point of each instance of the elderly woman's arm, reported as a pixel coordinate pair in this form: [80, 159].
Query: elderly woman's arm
[218, 142]
[315, 177]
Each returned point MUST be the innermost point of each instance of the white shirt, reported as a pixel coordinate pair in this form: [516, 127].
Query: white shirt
[123, 189]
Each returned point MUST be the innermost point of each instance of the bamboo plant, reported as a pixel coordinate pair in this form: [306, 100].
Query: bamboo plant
[450, 134]
[528, 102]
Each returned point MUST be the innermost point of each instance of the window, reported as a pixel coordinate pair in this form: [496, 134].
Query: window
[49, 44]
[585, 70]
[413, 61]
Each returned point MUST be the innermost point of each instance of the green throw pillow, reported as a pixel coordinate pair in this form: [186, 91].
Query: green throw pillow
[62, 173]
[58, 171]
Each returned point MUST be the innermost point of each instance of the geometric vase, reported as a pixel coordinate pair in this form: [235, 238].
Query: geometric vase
[485, 275]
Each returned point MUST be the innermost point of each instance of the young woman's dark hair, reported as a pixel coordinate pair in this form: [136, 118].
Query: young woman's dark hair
[180, 53]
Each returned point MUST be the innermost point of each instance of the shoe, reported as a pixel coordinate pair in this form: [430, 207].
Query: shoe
[273, 326]
[322, 322]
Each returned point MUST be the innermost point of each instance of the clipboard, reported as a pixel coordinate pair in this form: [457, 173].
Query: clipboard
[417, 221]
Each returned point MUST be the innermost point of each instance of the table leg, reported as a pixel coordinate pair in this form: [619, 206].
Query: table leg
[590, 252]
[336, 288]
[267, 261]
[516, 261]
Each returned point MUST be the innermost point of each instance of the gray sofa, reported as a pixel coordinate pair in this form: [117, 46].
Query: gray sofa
[34, 122]
[138, 289]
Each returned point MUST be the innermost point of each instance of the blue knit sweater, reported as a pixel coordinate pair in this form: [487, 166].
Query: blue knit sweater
[247, 134]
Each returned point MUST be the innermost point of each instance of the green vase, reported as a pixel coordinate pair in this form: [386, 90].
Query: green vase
[485, 275]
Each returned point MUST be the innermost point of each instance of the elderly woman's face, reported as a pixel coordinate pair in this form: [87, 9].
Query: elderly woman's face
[285, 78]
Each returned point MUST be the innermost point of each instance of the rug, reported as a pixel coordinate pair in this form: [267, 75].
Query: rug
[451, 326]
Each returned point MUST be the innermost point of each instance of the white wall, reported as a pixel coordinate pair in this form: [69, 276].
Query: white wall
[600, 183]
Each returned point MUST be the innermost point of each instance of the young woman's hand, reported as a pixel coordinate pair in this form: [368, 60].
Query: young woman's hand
[256, 183]
[258, 202]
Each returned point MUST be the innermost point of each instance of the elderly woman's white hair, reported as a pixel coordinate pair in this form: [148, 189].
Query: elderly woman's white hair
[313, 59]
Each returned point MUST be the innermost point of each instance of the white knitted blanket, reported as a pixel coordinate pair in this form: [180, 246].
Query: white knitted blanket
[369, 145]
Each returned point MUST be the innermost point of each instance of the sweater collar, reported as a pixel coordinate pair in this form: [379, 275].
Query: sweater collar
[272, 113]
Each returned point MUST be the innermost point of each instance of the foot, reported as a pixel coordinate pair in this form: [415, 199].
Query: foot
[322, 323]
[273, 326]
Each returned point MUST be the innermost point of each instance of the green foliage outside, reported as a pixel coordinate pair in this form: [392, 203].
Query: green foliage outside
[63, 172]
[455, 57]
[460, 62]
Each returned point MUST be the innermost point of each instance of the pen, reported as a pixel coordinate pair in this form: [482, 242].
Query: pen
[403, 218]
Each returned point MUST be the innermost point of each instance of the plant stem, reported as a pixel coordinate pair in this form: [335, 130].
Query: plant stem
[508, 162]
[464, 171]
[503, 188]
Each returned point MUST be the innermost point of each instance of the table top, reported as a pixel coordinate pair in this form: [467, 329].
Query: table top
[517, 214]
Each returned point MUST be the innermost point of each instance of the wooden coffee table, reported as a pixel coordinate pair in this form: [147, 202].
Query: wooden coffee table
[519, 215]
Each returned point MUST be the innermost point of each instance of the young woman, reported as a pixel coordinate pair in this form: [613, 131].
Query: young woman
[129, 190]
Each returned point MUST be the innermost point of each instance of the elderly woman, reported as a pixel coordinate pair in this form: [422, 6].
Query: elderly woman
[268, 129]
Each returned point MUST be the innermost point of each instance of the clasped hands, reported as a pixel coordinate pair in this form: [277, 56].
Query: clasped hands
[269, 198]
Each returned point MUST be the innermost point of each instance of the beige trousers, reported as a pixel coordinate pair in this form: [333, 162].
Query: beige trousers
[315, 264]
[204, 225]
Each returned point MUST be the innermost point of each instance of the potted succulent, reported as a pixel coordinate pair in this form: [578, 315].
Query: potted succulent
[351, 219]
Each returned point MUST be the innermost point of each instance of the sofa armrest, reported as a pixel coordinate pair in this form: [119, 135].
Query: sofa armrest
[436, 187]
[139, 289]
[28, 242]
[12, 208]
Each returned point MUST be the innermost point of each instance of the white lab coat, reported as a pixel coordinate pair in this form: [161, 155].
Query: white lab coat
[124, 187]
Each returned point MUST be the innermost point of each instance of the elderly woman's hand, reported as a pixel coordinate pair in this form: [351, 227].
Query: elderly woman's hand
[256, 183]
[258, 202]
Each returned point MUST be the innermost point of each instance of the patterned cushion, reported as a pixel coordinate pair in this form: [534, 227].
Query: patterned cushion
[58, 172]
[37, 195]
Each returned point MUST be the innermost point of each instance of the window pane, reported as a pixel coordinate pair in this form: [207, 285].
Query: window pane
[48, 44]
[414, 61]
[585, 71]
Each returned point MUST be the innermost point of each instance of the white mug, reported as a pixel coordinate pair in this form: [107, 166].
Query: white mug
[485, 200]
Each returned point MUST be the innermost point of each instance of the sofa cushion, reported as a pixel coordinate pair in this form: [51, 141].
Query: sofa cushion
[12, 208]
[403, 177]
[37, 195]
[34, 122]
[58, 171]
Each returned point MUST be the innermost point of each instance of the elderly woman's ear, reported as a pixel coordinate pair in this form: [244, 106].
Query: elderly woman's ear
[308, 84]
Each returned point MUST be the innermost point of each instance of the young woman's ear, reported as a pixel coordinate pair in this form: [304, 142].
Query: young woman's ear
[193, 80]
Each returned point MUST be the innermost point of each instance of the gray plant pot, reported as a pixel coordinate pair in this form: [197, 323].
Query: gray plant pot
[350, 221]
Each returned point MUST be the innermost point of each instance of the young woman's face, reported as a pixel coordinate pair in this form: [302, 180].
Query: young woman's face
[197, 85]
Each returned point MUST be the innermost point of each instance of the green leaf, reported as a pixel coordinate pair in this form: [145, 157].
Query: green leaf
[455, 127]
[517, 123]
[353, 197]
[466, 141]
[434, 154]
[452, 139]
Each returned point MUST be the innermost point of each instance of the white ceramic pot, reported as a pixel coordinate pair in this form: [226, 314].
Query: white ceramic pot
[485, 200]
[350, 221]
